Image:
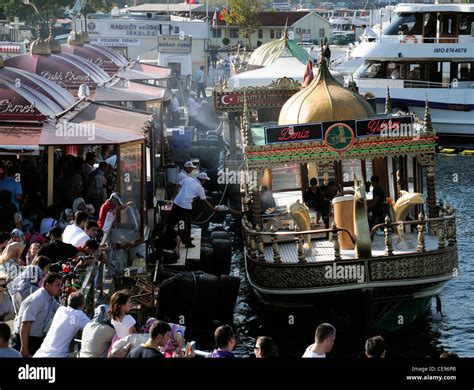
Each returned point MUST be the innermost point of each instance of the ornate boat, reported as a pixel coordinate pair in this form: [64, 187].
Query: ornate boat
[387, 273]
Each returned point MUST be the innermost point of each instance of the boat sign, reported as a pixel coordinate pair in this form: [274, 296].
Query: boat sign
[340, 135]
[293, 133]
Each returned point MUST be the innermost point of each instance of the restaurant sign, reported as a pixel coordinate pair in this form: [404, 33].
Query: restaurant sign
[340, 135]
[234, 101]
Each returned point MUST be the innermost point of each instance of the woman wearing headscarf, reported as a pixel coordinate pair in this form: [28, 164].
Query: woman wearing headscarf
[66, 218]
[97, 334]
[79, 204]
[17, 236]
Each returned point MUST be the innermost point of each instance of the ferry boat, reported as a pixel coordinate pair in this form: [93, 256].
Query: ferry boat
[388, 271]
[426, 52]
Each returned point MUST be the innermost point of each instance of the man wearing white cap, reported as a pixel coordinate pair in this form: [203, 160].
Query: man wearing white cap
[182, 205]
[187, 169]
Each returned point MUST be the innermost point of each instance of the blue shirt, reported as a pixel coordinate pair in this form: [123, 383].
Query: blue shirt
[220, 353]
[9, 183]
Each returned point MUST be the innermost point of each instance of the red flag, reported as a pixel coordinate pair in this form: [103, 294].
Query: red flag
[189, 1]
[308, 74]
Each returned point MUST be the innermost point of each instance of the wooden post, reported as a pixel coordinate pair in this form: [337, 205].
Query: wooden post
[421, 234]
[441, 231]
[299, 244]
[260, 245]
[50, 175]
[276, 249]
[335, 240]
[430, 181]
[451, 227]
[388, 238]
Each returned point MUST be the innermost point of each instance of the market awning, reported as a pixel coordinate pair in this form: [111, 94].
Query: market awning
[130, 74]
[95, 124]
[153, 69]
[129, 91]
[13, 137]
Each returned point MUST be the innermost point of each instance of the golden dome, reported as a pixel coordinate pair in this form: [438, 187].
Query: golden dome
[325, 99]
[40, 46]
[74, 39]
[84, 36]
[54, 46]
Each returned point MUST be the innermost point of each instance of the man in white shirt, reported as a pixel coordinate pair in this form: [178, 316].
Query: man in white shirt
[75, 234]
[369, 35]
[182, 206]
[324, 341]
[66, 322]
[187, 169]
[200, 76]
[193, 107]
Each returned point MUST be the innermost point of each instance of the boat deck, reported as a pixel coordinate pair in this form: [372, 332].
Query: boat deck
[324, 249]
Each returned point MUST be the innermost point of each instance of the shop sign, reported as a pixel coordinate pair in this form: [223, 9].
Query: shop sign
[174, 44]
[234, 101]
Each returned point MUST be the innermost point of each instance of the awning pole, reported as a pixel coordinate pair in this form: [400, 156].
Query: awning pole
[50, 174]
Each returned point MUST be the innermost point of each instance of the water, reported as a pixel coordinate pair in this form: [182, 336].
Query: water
[293, 330]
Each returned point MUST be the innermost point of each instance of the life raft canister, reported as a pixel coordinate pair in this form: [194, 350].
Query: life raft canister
[409, 39]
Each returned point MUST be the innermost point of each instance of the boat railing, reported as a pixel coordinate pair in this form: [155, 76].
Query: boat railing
[443, 226]
[410, 39]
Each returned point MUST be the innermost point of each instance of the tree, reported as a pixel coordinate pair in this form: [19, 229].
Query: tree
[49, 10]
[244, 14]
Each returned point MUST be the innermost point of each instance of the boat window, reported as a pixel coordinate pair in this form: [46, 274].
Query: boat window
[406, 24]
[429, 28]
[448, 24]
[466, 22]
[464, 71]
[367, 70]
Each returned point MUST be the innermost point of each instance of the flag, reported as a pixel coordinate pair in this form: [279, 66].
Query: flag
[189, 1]
[214, 20]
[222, 14]
[308, 74]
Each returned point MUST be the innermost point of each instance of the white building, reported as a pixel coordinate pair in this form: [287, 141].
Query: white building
[135, 36]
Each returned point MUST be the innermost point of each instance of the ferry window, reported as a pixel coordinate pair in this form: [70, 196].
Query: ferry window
[448, 25]
[429, 29]
[368, 70]
[465, 71]
[287, 177]
[403, 24]
[465, 24]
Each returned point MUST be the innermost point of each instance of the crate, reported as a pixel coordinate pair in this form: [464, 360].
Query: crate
[182, 137]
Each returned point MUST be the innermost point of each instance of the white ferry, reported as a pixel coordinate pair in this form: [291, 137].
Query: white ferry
[427, 52]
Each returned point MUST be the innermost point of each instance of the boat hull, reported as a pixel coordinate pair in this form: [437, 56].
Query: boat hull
[393, 292]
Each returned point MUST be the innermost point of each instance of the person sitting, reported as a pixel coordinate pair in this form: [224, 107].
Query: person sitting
[5, 351]
[375, 347]
[324, 341]
[265, 348]
[225, 342]
[6, 307]
[97, 335]
[267, 201]
[160, 333]
[55, 249]
[66, 323]
[120, 305]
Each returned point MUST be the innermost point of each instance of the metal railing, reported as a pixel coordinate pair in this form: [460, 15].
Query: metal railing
[444, 227]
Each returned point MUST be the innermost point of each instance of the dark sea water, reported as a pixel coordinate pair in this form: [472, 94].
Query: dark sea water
[293, 330]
